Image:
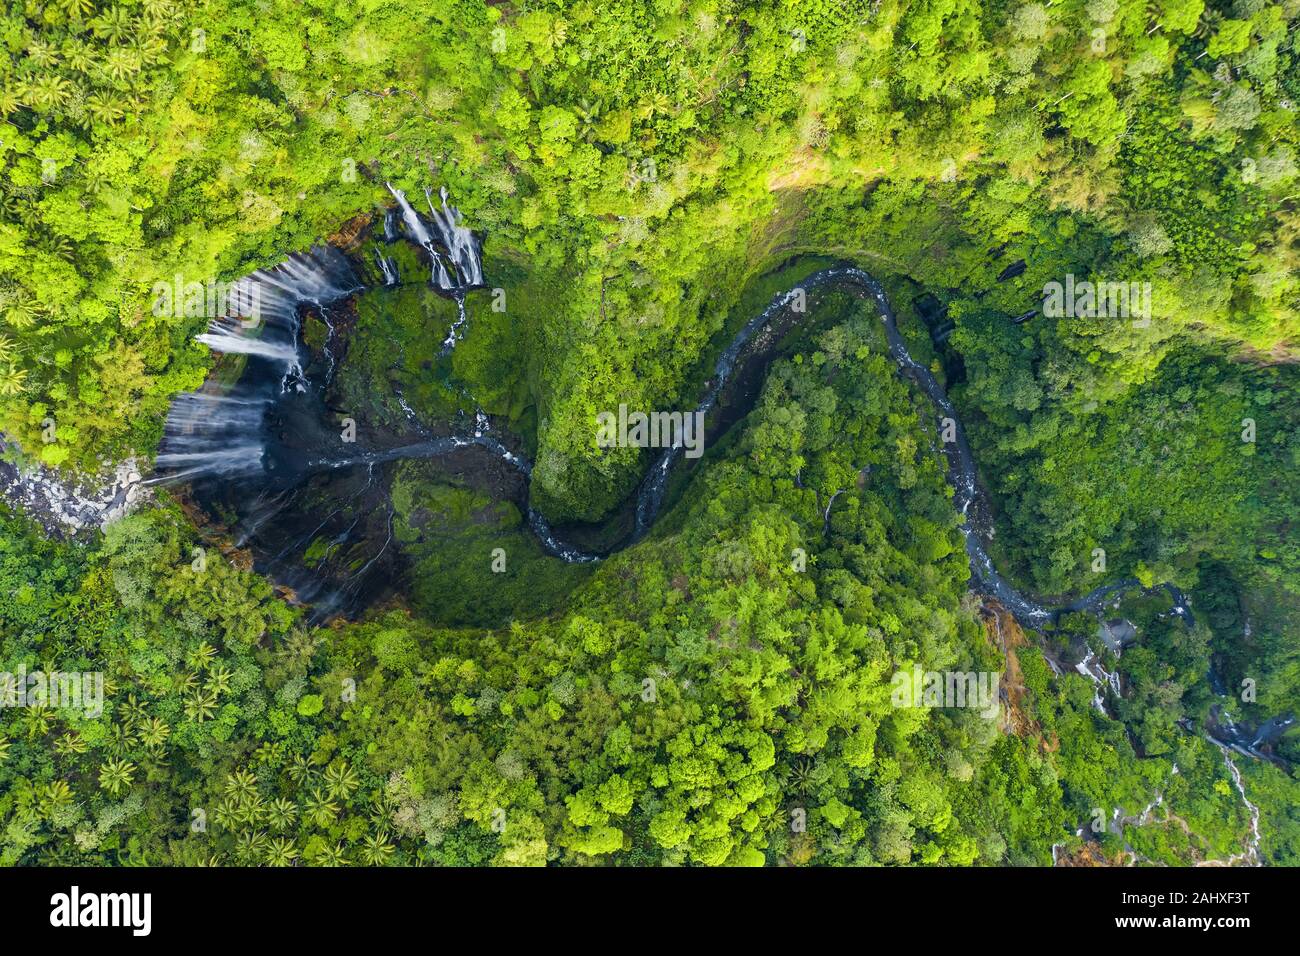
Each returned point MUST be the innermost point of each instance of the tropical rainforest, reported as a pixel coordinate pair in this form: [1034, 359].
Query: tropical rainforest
[645, 178]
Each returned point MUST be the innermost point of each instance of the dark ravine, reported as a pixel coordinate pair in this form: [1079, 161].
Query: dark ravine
[228, 436]
[256, 448]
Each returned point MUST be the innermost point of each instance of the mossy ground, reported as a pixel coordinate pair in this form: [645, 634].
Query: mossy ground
[450, 535]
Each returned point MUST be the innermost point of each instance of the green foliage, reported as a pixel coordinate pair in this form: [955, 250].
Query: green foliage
[639, 170]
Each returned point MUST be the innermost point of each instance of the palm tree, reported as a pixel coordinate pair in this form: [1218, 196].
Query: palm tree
[4, 748]
[12, 380]
[250, 811]
[340, 781]
[78, 56]
[252, 845]
[42, 55]
[226, 813]
[375, 849]
[656, 103]
[381, 809]
[301, 769]
[133, 711]
[588, 119]
[38, 721]
[10, 100]
[269, 751]
[240, 786]
[1208, 25]
[69, 744]
[18, 209]
[281, 852]
[122, 63]
[76, 8]
[46, 92]
[150, 48]
[105, 108]
[201, 656]
[116, 775]
[154, 733]
[21, 315]
[200, 705]
[320, 809]
[114, 24]
[281, 813]
[801, 776]
[120, 739]
[219, 676]
[333, 856]
[162, 13]
[54, 796]
[53, 245]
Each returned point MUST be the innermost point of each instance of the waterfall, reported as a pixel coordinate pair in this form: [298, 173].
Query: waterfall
[215, 435]
[461, 246]
[454, 334]
[224, 435]
[441, 278]
[387, 266]
[318, 277]
[264, 316]
[1251, 853]
[1090, 667]
[446, 241]
[221, 337]
[416, 231]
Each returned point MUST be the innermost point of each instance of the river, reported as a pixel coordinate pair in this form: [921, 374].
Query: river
[257, 445]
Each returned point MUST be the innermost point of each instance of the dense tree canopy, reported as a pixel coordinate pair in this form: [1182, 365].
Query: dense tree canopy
[645, 176]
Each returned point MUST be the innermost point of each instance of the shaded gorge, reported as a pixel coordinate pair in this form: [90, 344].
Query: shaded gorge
[314, 459]
[307, 485]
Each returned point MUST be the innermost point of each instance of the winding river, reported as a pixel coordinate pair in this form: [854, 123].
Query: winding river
[235, 437]
[225, 436]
